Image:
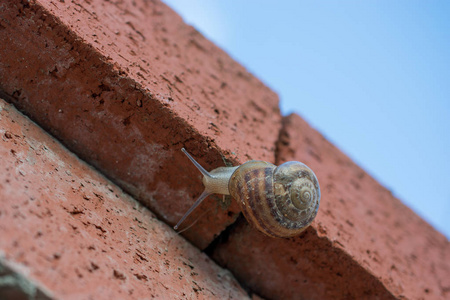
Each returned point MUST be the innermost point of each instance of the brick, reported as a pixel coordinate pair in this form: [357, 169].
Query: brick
[125, 86]
[69, 233]
[364, 243]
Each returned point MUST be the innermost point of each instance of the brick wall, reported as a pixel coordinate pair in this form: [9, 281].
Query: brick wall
[124, 86]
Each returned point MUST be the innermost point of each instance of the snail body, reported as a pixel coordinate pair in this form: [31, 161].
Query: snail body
[279, 201]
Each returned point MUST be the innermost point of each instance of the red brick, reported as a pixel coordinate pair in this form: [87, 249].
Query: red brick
[125, 86]
[78, 236]
[364, 244]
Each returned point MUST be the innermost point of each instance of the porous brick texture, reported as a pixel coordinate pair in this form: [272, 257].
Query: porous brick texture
[125, 85]
[364, 243]
[78, 236]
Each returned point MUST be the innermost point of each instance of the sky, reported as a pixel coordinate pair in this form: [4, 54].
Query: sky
[372, 76]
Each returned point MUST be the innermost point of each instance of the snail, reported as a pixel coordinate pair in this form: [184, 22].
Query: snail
[279, 201]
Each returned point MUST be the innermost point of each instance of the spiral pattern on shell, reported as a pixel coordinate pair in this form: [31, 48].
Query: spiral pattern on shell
[279, 201]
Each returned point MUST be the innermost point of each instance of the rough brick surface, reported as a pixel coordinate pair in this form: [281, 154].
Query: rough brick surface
[126, 85]
[364, 243]
[78, 236]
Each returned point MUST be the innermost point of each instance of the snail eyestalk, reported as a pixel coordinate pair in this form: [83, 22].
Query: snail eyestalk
[202, 197]
[197, 203]
[199, 167]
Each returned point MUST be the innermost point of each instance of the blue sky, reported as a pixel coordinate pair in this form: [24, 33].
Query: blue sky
[372, 76]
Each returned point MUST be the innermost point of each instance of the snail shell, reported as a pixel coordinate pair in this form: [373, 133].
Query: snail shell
[279, 201]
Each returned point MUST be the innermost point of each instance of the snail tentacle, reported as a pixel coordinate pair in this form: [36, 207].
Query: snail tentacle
[216, 182]
[199, 166]
[196, 203]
